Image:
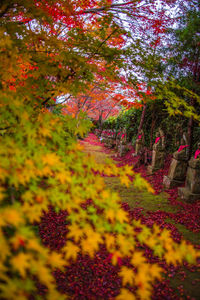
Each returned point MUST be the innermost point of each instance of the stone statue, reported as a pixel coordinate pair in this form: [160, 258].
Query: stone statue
[159, 143]
[139, 144]
[158, 153]
[178, 167]
[122, 147]
[191, 191]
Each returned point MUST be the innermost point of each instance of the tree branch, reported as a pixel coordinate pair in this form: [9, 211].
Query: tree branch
[103, 8]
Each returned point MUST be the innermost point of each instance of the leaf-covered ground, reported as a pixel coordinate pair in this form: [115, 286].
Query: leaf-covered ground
[97, 278]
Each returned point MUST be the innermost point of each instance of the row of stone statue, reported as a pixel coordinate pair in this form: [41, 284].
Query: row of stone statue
[181, 170]
[114, 139]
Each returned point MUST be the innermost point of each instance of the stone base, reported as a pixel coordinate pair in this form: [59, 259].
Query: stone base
[151, 169]
[185, 194]
[171, 183]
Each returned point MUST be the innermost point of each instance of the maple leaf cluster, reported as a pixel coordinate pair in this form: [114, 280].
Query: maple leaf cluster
[42, 166]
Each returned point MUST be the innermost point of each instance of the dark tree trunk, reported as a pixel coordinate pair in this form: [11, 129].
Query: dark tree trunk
[100, 122]
[190, 130]
[190, 135]
[142, 117]
[153, 122]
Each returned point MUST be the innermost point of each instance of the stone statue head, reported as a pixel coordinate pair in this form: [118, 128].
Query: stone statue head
[157, 134]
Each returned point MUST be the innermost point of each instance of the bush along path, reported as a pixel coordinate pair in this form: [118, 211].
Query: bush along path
[96, 278]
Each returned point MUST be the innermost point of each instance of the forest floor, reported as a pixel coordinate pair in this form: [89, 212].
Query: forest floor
[164, 209]
[97, 278]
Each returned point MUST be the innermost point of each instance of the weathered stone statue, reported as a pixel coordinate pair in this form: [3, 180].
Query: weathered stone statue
[139, 144]
[178, 167]
[118, 138]
[158, 153]
[191, 191]
[122, 148]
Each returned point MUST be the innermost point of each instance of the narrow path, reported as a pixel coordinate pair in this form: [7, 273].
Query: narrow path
[182, 219]
[162, 206]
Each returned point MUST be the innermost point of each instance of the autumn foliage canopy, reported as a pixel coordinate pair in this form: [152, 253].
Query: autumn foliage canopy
[49, 49]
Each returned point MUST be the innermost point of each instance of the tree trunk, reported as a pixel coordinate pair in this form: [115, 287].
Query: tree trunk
[153, 122]
[100, 121]
[142, 117]
[190, 135]
[190, 131]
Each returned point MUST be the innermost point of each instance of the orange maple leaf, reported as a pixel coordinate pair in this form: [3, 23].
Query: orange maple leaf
[127, 275]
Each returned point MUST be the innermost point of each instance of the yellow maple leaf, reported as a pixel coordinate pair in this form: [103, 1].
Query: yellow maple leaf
[165, 236]
[79, 147]
[116, 256]
[125, 295]
[138, 258]
[94, 239]
[144, 291]
[156, 229]
[91, 243]
[143, 281]
[127, 275]
[34, 212]
[71, 250]
[156, 271]
[110, 241]
[110, 214]
[107, 171]
[28, 196]
[121, 216]
[51, 159]
[128, 170]
[151, 242]
[56, 260]
[177, 256]
[34, 245]
[87, 247]
[53, 294]
[64, 177]
[149, 187]
[105, 194]
[44, 275]
[21, 263]
[124, 244]
[12, 216]
[75, 232]
[44, 172]
[125, 180]
[45, 131]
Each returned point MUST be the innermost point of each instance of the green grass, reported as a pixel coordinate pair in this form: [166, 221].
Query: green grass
[136, 198]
